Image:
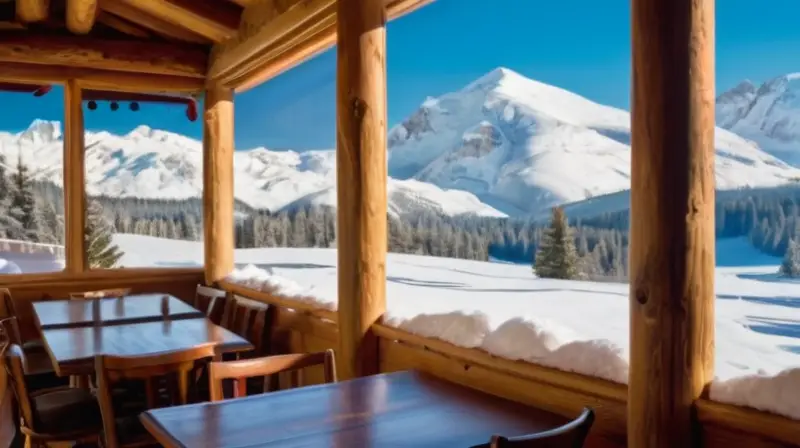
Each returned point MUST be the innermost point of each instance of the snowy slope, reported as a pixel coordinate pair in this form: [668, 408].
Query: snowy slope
[768, 115]
[524, 146]
[151, 163]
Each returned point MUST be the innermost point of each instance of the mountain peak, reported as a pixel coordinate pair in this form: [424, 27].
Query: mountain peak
[142, 130]
[495, 78]
[42, 131]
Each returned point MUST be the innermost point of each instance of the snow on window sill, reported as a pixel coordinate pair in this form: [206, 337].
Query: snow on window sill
[539, 341]
[261, 280]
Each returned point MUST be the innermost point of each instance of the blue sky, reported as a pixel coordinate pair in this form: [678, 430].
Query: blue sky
[580, 45]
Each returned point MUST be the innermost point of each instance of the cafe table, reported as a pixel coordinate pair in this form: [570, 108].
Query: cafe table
[402, 409]
[131, 326]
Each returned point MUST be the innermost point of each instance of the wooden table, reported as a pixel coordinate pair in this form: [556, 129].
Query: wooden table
[110, 311]
[72, 350]
[401, 409]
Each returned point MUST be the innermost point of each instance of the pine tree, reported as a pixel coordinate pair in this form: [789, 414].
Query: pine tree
[790, 267]
[556, 256]
[22, 208]
[100, 251]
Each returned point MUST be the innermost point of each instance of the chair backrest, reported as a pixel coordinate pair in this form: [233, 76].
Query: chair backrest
[8, 303]
[206, 299]
[571, 435]
[269, 365]
[14, 360]
[112, 369]
[251, 320]
[100, 294]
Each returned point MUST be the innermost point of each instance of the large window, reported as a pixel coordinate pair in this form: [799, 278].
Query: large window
[31, 181]
[144, 184]
[285, 178]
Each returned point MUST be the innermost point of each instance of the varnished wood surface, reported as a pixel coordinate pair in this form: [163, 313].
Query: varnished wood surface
[361, 224]
[672, 230]
[72, 349]
[52, 314]
[401, 409]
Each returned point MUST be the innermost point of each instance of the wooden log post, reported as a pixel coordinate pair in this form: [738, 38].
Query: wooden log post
[218, 183]
[672, 219]
[361, 181]
[74, 180]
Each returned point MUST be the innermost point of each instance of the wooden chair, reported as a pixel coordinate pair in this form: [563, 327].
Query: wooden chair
[100, 294]
[207, 299]
[37, 360]
[60, 414]
[571, 435]
[251, 320]
[177, 367]
[266, 366]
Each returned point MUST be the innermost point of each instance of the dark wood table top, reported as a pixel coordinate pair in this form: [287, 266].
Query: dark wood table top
[401, 409]
[110, 311]
[72, 350]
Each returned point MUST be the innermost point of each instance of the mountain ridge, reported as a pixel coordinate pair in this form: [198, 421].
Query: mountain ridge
[501, 145]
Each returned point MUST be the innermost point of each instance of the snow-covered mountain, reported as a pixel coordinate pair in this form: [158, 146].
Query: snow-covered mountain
[769, 115]
[151, 163]
[524, 146]
[504, 144]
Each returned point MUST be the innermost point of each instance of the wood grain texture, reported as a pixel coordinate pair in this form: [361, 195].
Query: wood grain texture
[74, 180]
[361, 181]
[120, 55]
[407, 408]
[672, 219]
[155, 24]
[51, 314]
[81, 15]
[72, 350]
[123, 25]
[218, 199]
[216, 21]
[724, 423]
[29, 11]
[98, 79]
[276, 36]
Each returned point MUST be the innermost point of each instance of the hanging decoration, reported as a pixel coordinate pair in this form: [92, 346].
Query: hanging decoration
[92, 97]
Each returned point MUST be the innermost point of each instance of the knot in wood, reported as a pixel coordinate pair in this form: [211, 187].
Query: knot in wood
[641, 296]
[358, 108]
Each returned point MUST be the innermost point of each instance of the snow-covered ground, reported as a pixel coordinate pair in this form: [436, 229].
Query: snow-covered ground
[571, 325]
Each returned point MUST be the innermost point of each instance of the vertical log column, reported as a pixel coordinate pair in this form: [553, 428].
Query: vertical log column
[74, 180]
[218, 183]
[361, 181]
[672, 219]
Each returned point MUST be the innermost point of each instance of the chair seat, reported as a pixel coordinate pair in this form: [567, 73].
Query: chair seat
[66, 410]
[38, 362]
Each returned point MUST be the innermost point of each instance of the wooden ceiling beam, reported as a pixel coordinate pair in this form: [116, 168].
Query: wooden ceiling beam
[155, 24]
[30, 11]
[282, 41]
[99, 79]
[122, 25]
[263, 27]
[81, 15]
[120, 55]
[216, 21]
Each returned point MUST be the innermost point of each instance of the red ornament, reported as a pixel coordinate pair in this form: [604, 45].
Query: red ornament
[191, 110]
